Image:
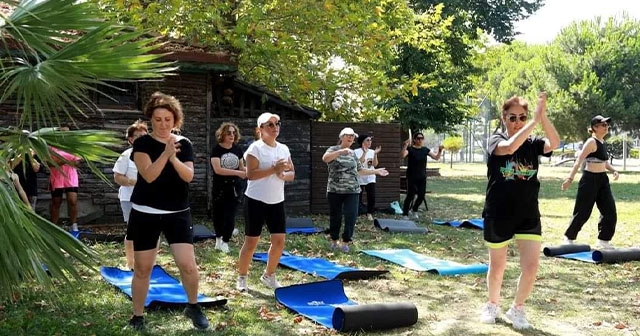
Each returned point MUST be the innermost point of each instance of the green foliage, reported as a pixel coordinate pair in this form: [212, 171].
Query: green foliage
[634, 153]
[55, 52]
[453, 143]
[615, 146]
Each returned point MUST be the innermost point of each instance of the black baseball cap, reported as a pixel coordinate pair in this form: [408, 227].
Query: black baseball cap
[599, 119]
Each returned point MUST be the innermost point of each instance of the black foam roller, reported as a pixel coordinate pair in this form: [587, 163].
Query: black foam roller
[551, 251]
[617, 255]
[378, 316]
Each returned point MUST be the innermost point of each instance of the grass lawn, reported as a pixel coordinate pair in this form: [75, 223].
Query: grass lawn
[570, 297]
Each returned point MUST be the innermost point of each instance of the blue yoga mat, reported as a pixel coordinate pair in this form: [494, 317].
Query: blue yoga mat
[321, 267]
[475, 223]
[303, 230]
[423, 263]
[326, 303]
[164, 290]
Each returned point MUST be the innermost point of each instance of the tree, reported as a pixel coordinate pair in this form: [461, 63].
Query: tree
[54, 53]
[330, 55]
[443, 104]
[452, 144]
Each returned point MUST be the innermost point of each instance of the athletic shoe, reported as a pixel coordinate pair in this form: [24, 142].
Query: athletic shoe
[604, 245]
[416, 215]
[74, 227]
[369, 217]
[136, 323]
[270, 281]
[224, 247]
[567, 241]
[241, 284]
[518, 318]
[334, 245]
[218, 241]
[489, 313]
[345, 248]
[235, 232]
[197, 316]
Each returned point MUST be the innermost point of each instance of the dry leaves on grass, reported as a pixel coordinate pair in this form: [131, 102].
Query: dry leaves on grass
[297, 319]
[268, 315]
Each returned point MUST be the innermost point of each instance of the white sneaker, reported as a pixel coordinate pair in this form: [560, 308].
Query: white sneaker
[224, 247]
[604, 245]
[370, 217]
[218, 241]
[416, 215]
[235, 232]
[74, 227]
[270, 281]
[489, 313]
[241, 284]
[567, 241]
[518, 318]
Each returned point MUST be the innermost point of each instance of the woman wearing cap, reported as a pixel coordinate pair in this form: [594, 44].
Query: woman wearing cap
[343, 187]
[268, 167]
[416, 172]
[594, 186]
[160, 204]
[369, 159]
[228, 170]
[511, 203]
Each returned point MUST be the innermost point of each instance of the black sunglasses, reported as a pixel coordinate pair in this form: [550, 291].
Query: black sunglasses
[272, 125]
[522, 118]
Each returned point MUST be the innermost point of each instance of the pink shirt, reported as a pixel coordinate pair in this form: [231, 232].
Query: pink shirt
[66, 176]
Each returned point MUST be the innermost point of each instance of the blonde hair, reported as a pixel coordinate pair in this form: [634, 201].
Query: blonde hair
[223, 129]
[161, 100]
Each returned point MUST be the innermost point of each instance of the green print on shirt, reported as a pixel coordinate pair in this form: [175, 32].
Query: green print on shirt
[512, 171]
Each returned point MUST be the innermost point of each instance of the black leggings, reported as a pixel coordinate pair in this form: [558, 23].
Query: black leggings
[224, 216]
[593, 189]
[415, 188]
[371, 196]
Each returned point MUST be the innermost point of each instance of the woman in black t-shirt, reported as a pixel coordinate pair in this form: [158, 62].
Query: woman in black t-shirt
[416, 172]
[160, 204]
[228, 174]
[511, 204]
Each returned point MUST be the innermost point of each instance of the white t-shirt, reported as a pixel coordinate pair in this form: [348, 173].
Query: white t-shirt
[268, 189]
[125, 166]
[367, 164]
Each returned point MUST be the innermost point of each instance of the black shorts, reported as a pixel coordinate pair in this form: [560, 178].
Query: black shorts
[257, 213]
[58, 192]
[499, 231]
[144, 229]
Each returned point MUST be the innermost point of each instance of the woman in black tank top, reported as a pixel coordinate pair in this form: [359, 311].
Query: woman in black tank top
[594, 186]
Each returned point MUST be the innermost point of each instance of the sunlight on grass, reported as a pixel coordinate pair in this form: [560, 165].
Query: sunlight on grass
[570, 297]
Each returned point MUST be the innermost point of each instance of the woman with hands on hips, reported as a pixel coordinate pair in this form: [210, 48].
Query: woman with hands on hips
[343, 187]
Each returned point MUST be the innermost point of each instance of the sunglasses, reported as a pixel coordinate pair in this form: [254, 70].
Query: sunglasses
[419, 138]
[604, 125]
[522, 118]
[272, 125]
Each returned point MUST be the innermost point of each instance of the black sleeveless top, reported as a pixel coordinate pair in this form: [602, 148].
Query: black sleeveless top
[600, 154]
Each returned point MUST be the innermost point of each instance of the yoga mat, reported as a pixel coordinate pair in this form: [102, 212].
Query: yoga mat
[474, 223]
[326, 303]
[201, 232]
[582, 252]
[423, 263]
[393, 225]
[321, 267]
[164, 290]
[301, 226]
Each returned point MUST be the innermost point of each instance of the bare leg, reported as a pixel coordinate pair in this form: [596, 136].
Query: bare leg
[144, 261]
[54, 208]
[275, 252]
[72, 205]
[497, 265]
[246, 254]
[529, 261]
[186, 261]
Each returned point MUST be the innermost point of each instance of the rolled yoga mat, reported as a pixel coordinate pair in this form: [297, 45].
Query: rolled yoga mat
[474, 223]
[420, 262]
[583, 252]
[394, 225]
[322, 267]
[301, 226]
[326, 303]
[165, 291]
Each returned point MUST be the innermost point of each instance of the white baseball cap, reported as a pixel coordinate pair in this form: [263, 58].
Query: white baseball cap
[265, 117]
[347, 131]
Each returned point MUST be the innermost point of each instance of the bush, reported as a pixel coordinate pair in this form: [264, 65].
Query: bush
[634, 153]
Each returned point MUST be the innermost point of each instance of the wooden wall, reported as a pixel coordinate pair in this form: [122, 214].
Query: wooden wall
[325, 134]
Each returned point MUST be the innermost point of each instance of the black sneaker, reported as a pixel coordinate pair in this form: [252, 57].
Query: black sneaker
[136, 323]
[197, 316]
